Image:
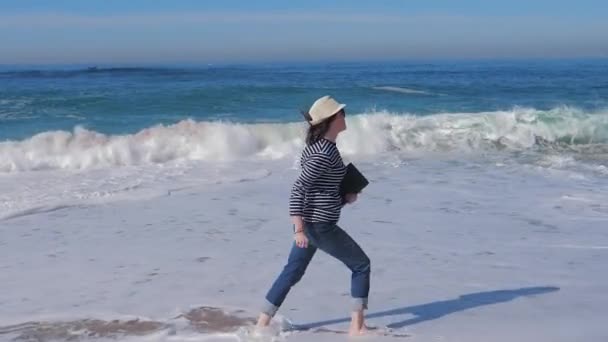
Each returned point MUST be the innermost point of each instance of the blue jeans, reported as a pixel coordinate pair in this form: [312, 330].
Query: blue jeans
[334, 241]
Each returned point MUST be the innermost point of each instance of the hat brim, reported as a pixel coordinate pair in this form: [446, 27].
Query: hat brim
[319, 120]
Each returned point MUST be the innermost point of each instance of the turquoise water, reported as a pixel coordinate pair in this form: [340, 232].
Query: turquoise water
[127, 100]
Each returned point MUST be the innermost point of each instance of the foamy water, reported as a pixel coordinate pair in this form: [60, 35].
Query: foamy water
[460, 248]
[516, 130]
[54, 170]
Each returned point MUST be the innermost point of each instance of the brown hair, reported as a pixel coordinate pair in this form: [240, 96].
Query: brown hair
[318, 131]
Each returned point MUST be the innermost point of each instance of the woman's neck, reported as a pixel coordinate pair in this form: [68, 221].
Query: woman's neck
[331, 136]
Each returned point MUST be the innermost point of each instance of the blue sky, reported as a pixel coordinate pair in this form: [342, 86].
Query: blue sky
[143, 31]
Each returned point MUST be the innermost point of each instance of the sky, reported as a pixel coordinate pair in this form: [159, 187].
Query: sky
[188, 31]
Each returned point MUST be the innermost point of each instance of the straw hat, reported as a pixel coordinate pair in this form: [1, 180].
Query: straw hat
[323, 108]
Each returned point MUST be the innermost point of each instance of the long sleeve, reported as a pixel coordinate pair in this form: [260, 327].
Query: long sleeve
[314, 166]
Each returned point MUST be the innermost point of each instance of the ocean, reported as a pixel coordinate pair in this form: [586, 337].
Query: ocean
[409, 106]
[160, 192]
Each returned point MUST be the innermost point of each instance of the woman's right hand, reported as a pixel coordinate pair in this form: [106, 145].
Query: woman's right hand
[298, 230]
[350, 198]
[301, 239]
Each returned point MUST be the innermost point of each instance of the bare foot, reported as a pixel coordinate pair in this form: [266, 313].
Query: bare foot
[355, 333]
[357, 324]
[364, 330]
[263, 320]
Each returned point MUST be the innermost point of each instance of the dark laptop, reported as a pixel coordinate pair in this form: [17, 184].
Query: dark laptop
[353, 181]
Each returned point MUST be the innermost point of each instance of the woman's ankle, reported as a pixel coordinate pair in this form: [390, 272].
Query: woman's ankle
[263, 320]
[357, 321]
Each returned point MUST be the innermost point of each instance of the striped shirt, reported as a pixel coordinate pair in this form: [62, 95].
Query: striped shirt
[315, 194]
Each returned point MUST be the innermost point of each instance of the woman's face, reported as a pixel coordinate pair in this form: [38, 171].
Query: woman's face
[339, 123]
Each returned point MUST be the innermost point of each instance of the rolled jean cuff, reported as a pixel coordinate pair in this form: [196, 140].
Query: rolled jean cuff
[269, 308]
[359, 304]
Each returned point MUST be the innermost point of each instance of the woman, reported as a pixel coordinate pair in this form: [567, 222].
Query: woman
[314, 206]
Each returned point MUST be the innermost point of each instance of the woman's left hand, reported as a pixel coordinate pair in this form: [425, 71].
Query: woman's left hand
[350, 198]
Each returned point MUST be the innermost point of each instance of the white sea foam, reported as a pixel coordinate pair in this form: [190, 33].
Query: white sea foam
[369, 133]
[403, 90]
[461, 251]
